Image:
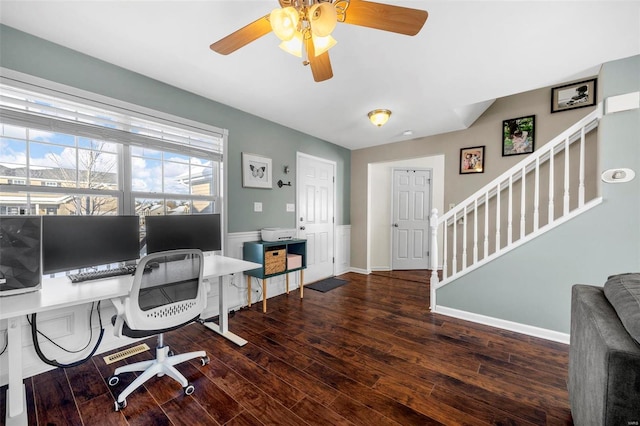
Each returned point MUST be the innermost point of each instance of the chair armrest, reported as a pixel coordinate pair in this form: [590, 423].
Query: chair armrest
[119, 322]
[117, 303]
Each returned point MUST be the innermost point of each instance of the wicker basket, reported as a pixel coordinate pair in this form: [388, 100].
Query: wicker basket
[275, 261]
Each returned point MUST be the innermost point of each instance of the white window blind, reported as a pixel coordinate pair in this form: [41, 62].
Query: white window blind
[22, 107]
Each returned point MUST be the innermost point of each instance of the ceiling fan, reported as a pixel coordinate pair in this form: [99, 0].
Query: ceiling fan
[305, 27]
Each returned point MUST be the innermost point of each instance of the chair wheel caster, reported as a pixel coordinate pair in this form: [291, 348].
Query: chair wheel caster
[171, 353]
[189, 389]
[204, 360]
[113, 380]
[120, 405]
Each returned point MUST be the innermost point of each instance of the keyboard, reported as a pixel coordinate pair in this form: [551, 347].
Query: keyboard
[106, 273]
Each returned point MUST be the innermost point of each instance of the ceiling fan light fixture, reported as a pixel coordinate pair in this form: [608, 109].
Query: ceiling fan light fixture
[322, 44]
[284, 22]
[379, 116]
[294, 45]
[323, 18]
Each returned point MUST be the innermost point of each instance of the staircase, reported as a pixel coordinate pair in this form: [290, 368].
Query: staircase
[544, 190]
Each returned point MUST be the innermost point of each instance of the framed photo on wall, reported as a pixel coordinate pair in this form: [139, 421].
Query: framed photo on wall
[518, 135]
[575, 95]
[256, 171]
[472, 160]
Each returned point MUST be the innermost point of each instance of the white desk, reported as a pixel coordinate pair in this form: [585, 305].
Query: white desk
[59, 293]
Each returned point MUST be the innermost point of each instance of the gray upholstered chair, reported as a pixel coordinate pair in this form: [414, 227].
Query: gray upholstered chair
[167, 293]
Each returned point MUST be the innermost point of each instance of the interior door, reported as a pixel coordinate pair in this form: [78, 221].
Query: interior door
[410, 228]
[315, 214]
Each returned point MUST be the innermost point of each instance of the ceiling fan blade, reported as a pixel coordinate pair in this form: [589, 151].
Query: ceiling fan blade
[397, 19]
[320, 65]
[243, 36]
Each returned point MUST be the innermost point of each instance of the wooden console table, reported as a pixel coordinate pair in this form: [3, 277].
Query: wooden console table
[276, 258]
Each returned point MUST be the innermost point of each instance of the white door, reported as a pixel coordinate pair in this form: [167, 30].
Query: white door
[315, 214]
[410, 228]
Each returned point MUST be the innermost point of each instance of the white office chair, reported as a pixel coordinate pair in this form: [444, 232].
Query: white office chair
[168, 292]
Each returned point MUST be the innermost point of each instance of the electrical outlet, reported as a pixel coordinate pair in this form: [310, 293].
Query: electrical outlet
[451, 205]
[257, 207]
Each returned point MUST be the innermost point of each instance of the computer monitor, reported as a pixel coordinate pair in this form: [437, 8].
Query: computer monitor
[199, 231]
[19, 254]
[74, 242]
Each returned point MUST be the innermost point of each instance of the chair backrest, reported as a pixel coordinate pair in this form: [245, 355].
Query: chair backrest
[167, 291]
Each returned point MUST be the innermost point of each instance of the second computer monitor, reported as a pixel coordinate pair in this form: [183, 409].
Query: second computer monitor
[200, 231]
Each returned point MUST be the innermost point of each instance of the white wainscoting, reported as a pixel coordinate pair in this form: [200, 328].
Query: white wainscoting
[69, 327]
[343, 249]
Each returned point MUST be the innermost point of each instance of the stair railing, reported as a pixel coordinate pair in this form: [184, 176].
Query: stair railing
[486, 224]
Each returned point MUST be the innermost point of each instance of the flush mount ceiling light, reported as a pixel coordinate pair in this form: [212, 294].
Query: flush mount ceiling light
[305, 26]
[379, 116]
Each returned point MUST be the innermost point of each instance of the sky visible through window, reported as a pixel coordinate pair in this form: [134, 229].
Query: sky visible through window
[152, 170]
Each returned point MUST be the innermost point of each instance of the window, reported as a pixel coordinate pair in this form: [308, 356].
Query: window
[61, 156]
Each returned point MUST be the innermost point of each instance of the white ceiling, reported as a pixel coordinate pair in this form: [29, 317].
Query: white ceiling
[468, 54]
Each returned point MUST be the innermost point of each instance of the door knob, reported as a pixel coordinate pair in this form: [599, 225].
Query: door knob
[395, 225]
[302, 228]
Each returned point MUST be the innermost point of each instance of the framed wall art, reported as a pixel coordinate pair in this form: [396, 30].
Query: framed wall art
[575, 95]
[518, 135]
[472, 160]
[256, 171]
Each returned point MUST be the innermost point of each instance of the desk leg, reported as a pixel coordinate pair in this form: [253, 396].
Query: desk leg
[16, 395]
[287, 275]
[222, 328]
[301, 283]
[264, 295]
[249, 290]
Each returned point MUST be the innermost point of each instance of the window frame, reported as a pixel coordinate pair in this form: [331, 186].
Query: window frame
[125, 140]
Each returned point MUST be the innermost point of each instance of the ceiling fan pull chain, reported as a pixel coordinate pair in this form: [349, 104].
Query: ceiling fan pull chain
[306, 34]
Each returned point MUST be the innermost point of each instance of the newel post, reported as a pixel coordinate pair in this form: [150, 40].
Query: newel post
[433, 223]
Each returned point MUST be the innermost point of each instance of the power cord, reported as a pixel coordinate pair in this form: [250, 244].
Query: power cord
[36, 343]
[6, 342]
[258, 286]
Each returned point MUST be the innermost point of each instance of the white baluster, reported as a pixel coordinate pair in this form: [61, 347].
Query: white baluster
[581, 175]
[523, 199]
[464, 239]
[475, 231]
[510, 213]
[454, 252]
[551, 179]
[536, 197]
[445, 251]
[566, 178]
[433, 221]
[498, 218]
[486, 224]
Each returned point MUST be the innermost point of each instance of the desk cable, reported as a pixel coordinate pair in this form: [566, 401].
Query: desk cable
[36, 343]
[6, 342]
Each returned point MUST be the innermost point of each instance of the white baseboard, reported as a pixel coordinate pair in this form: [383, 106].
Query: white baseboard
[504, 324]
[360, 271]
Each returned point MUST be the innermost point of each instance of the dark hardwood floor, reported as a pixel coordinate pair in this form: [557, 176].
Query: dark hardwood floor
[367, 353]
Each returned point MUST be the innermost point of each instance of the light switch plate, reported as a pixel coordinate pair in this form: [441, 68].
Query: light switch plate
[291, 207]
[257, 207]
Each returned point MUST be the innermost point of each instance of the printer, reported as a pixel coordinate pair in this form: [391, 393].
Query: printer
[278, 234]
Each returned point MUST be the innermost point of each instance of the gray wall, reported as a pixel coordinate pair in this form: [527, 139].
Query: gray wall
[247, 133]
[532, 285]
